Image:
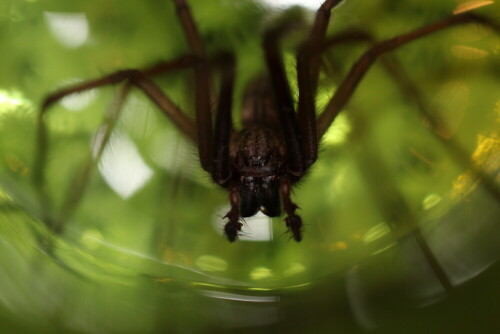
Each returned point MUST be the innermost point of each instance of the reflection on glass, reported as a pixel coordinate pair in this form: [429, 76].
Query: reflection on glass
[231, 310]
[240, 297]
[261, 273]
[211, 263]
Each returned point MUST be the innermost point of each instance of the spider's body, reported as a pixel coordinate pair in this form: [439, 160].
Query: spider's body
[278, 142]
[257, 157]
[258, 153]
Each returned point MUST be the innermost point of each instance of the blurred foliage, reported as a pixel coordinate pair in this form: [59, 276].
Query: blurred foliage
[145, 263]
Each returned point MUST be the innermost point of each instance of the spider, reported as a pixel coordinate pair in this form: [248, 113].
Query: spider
[260, 164]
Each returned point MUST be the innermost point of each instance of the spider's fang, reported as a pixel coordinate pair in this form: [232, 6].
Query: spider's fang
[294, 224]
[232, 229]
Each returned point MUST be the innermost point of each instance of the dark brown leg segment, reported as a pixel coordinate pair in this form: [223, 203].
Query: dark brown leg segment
[292, 221]
[185, 124]
[308, 68]
[316, 37]
[133, 78]
[283, 101]
[233, 226]
[223, 121]
[411, 92]
[202, 86]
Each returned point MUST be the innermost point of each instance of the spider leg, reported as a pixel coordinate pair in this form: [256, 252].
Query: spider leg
[300, 155]
[189, 27]
[223, 129]
[311, 59]
[457, 152]
[80, 182]
[308, 67]
[283, 101]
[185, 124]
[360, 68]
[233, 226]
[387, 204]
[411, 92]
[223, 120]
[202, 86]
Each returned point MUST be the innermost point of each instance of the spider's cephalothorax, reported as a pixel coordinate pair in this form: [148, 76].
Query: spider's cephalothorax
[278, 142]
[256, 165]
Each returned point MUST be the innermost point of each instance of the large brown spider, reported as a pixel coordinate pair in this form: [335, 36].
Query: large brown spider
[259, 164]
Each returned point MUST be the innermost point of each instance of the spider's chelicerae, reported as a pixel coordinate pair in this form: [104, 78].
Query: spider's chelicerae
[259, 164]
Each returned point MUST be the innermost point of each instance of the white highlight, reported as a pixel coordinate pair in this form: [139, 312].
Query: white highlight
[311, 4]
[10, 99]
[122, 167]
[70, 29]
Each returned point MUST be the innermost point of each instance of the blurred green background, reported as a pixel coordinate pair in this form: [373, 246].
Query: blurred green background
[400, 233]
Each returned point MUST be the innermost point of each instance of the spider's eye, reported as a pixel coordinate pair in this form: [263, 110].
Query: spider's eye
[269, 179]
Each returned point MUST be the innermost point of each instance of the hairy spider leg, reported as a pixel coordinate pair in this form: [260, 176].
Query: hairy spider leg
[78, 185]
[308, 69]
[131, 78]
[283, 100]
[80, 182]
[202, 86]
[289, 126]
[312, 60]
[223, 127]
[222, 136]
[360, 68]
[199, 132]
[412, 93]
[301, 141]
[175, 114]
